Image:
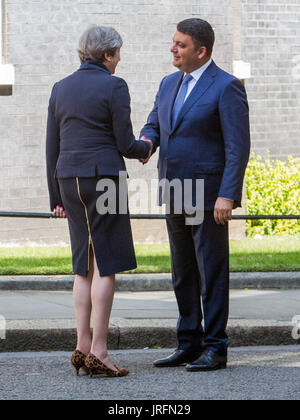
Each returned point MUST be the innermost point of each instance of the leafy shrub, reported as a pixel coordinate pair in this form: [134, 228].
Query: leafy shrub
[272, 187]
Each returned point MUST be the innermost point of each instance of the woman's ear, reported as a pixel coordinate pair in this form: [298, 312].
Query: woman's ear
[107, 57]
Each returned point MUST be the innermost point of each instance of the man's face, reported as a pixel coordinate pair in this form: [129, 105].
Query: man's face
[185, 56]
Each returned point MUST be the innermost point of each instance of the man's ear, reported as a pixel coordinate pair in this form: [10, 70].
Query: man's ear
[202, 51]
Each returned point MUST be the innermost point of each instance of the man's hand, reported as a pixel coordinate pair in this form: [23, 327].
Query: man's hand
[144, 161]
[59, 212]
[223, 211]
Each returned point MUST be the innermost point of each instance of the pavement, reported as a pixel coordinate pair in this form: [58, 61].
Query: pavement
[38, 334]
[44, 320]
[256, 373]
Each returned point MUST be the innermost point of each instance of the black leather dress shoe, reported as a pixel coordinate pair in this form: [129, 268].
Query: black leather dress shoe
[178, 358]
[209, 360]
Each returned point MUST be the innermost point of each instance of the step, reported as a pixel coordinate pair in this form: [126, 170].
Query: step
[153, 282]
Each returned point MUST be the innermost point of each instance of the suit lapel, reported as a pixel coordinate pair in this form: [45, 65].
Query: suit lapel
[173, 94]
[204, 83]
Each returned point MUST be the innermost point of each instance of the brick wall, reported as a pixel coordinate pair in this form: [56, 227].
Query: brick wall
[271, 43]
[42, 38]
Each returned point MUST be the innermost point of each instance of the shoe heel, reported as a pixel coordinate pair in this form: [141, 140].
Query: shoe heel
[77, 368]
[77, 361]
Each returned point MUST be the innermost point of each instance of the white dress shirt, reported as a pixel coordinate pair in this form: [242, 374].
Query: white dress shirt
[196, 76]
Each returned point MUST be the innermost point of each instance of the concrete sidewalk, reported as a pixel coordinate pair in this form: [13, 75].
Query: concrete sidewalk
[41, 320]
[153, 282]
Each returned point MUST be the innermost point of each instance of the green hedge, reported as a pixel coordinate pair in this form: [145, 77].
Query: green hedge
[272, 187]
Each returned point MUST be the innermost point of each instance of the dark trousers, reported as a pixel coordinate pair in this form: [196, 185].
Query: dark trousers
[200, 269]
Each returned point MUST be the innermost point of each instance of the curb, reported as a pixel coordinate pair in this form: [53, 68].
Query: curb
[153, 282]
[140, 338]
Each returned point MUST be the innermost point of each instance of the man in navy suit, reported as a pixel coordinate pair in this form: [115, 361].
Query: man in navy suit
[200, 121]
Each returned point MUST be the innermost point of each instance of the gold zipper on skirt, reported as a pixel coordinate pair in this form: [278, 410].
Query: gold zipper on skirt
[88, 224]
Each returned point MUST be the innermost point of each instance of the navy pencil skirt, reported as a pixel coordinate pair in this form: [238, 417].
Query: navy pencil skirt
[109, 235]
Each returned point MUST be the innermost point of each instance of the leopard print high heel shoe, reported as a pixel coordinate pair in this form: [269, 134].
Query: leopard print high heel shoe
[96, 367]
[77, 360]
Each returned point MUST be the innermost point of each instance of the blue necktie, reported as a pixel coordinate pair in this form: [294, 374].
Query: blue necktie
[180, 98]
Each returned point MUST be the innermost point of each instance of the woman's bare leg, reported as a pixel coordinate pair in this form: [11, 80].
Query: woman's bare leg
[103, 289]
[83, 308]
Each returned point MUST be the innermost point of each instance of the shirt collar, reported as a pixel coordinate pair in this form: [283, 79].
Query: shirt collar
[198, 73]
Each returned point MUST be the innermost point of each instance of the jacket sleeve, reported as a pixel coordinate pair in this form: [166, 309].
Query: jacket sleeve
[52, 152]
[127, 145]
[151, 130]
[234, 116]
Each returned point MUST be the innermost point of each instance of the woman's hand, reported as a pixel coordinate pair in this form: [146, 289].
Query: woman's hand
[59, 212]
[144, 161]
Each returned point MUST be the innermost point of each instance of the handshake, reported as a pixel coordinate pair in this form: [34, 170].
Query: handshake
[144, 161]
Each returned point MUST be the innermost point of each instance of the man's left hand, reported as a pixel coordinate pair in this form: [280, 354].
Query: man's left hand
[223, 211]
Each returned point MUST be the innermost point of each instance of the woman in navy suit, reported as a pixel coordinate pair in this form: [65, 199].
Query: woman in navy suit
[89, 131]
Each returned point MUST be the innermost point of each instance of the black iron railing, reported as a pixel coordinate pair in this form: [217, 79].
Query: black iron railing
[154, 216]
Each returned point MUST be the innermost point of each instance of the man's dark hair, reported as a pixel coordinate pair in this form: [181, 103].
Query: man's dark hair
[200, 31]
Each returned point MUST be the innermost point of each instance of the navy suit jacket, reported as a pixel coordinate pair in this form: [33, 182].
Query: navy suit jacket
[211, 137]
[89, 128]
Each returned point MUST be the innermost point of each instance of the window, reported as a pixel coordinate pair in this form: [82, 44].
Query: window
[7, 73]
